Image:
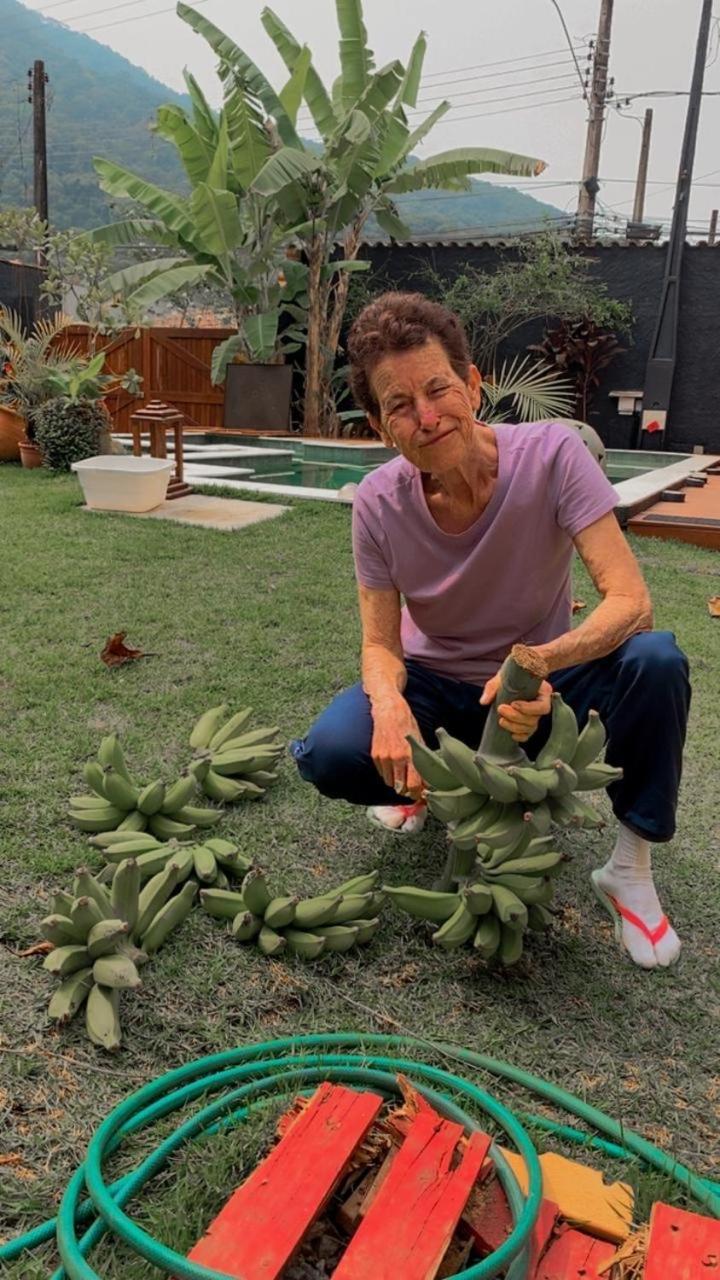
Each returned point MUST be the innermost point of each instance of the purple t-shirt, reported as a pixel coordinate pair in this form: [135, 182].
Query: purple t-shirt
[469, 597]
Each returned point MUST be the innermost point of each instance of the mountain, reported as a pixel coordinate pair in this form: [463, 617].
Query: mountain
[99, 103]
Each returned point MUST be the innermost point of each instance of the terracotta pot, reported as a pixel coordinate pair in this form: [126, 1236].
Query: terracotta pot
[12, 431]
[30, 455]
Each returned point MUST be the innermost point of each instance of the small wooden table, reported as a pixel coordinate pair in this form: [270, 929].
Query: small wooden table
[157, 418]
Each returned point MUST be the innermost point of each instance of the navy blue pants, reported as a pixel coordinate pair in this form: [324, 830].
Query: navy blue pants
[641, 690]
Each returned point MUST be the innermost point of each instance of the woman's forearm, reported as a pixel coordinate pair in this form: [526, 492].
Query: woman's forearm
[383, 675]
[614, 620]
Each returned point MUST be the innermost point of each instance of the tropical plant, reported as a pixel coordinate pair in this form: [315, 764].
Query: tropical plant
[84, 380]
[533, 391]
[69, 430]
[579, 350]
[28, 361]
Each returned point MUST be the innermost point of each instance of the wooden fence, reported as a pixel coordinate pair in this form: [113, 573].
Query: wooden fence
[174, 365]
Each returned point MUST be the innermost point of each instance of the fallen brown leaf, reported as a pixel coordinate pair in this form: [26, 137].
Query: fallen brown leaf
[37, 949]
[116, 652]
[714, 606]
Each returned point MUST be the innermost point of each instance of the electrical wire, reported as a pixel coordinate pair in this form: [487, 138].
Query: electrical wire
[571, 47]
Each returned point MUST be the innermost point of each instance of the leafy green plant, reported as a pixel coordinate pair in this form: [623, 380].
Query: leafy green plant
[581, 350]
[86, 381]
[28, 361]
[69, 430]
[534, 392]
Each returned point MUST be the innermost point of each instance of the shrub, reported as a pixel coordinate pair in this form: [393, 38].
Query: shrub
[69, 430]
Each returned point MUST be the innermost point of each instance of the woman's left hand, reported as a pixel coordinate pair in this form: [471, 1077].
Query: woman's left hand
[521, 719]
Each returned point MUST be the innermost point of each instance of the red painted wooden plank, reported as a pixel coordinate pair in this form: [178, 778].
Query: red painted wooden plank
[408, 1229]
[262, 1224]
[543, 1235]
[488, 1216]
[574, 1256]
[683, 1245]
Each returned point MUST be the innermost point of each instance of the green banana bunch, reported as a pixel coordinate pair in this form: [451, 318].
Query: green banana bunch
[234, 763]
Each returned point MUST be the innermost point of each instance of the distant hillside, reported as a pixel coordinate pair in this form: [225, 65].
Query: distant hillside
[100, 104]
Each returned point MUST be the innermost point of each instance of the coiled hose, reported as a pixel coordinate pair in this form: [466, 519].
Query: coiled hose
[249, 1077]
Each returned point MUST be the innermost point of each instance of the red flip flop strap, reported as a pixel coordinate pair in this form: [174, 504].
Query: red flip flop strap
[411, 809]
[652, 935]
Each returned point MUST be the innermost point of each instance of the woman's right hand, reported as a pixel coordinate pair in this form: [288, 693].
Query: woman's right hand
[392, 721]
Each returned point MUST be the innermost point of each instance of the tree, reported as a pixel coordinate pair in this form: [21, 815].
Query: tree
[365, 160]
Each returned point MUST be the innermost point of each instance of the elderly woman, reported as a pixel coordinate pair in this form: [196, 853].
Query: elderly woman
[474, 527]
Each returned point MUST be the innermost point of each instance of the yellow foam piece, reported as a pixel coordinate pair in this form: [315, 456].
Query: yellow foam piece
[583, 1197]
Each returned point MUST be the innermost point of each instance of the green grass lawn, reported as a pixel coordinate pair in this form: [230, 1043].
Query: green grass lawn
[268, 617]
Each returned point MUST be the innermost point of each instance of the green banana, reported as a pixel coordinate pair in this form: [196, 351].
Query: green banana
[424, 904]
[70, 996]
[306, 945]
[590, 742]
[204, 864]
[155, 894]
[104, 937]
[539, 918]
[102, 1017]
[151, 798]
[131, 847]
[352, 905]
[460, 760]
[198, 817]
[233, 726]
[156, 860]
[472, 828]
[236, 863]
[511, 945]
[377, 901]
[533, 784]
[338, 937]
[246, 926]
[456, 805]
[255, 891]
[366, 929]
[508, 906]
[200, 766]
[596, 776]
[510, 827]
[60, 930]
[280, 912]
[563, 739]
[61, 903]
[92, 772]
[540, 819]
[524, 887]
[255, 738]
[115, 839]
[125, 892]
[311, 912]
[111, 752]
[565, 811]
[246, 760]
[168, 918]
[84, 913]
[65, 960]
[168, 829]
[539, 864]
[116, 971]
[430, 766]
[227, 791]
[223, 904]
[487, 936]
[118, 790]
[457, 930]
[567, 779]
[96, 820]
[538, 894]
[262, 778]
[92, 803]
[479, 899]
[499, 784]
[591, 819]
[222, 848]
[207, 726]
[133, 821]
[221, 881]
[86, 886]
[179, 794]
[360, 884]
[270, 942]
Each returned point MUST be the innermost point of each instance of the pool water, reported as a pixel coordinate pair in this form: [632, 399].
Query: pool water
[312, 475]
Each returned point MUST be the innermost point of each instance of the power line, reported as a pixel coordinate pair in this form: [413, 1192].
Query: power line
[571, 47]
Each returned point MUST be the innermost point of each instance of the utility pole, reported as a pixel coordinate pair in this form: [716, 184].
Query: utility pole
[660, 370]
[641, 184]
[590, 185]
[712, 233]
[37, 79]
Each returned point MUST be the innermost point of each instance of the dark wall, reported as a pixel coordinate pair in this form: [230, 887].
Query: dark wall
[20, 290]
[632, 274]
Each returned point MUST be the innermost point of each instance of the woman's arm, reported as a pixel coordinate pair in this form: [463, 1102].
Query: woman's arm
[384, 678]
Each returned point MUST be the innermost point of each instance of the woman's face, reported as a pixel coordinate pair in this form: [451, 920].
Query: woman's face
[427, 412]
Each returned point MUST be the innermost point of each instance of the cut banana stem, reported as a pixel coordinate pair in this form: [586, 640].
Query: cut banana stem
[521, 675]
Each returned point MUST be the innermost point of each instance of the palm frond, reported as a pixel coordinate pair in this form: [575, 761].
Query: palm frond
[534, 391]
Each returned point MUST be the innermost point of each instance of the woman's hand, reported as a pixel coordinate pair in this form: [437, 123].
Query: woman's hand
[521, 719]
[392, 721]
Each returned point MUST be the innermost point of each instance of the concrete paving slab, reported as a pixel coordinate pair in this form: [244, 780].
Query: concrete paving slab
[201, 470]
[226, 514]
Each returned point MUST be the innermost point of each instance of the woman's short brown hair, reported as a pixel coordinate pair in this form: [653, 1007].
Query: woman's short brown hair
[398, 322]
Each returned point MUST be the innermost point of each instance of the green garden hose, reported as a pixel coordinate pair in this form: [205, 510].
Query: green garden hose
[249, 1077]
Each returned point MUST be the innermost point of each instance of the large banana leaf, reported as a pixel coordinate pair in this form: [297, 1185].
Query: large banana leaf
[167, 282]
[448, 165]
[170, 209]
[129, 279]
[292, 95]
[216, 219]
[417, 135]
[217, 176]
[132, 231]
[195, 153]
[394, 145]
[261, 334]
[283, 170]
[222, 356]
[203, 114]
[391, 222]
[249, 143]
[379, 91]
[408, 91]
[232, 58]
[316, 95]
[356, 60]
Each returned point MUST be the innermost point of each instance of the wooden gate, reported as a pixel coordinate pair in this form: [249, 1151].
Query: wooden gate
[174, 365]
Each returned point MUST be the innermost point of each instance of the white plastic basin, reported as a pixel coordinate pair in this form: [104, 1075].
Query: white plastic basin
[114, 483]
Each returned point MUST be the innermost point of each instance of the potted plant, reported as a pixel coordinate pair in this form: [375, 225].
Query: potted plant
[28, 359]
[74, 423]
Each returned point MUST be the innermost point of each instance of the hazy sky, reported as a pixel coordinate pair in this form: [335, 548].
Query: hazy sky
[471, 43]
